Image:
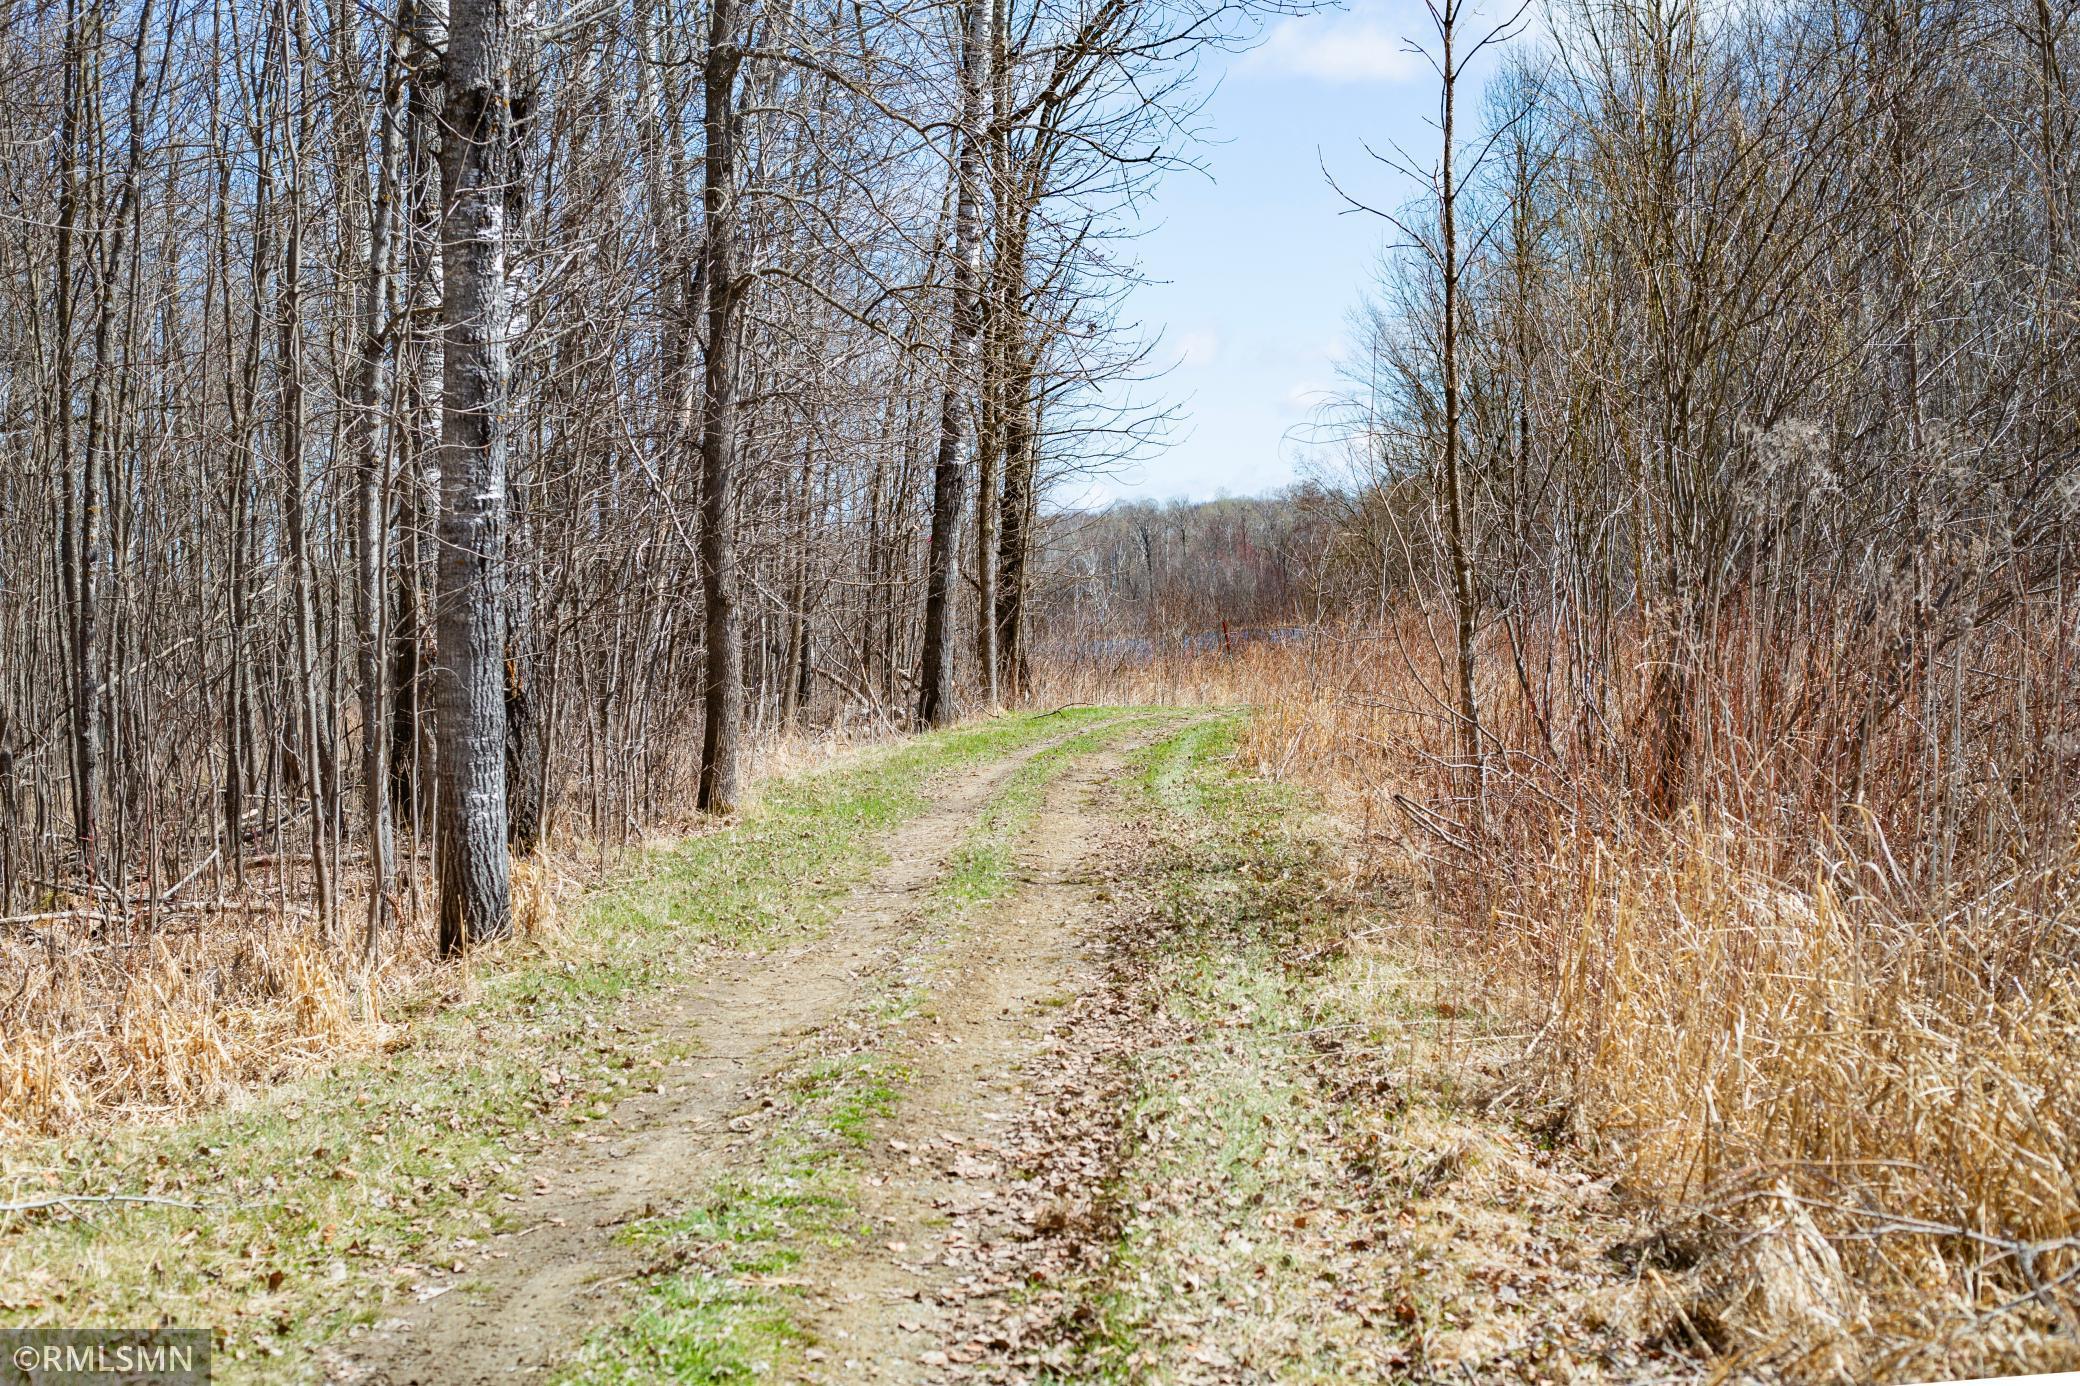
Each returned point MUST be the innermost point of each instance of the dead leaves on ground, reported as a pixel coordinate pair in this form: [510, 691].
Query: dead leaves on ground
[1376, 1229]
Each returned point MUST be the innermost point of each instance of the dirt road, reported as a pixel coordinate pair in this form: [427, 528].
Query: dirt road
[1062, 1091]
[945, 1202]
[521, 1301]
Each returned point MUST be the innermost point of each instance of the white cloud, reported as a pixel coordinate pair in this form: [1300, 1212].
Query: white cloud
[1305, 397]
[1201, 348]
[1335, 48]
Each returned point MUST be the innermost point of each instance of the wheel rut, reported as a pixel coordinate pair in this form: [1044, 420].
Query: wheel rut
[520, 1304]
[939, 1188]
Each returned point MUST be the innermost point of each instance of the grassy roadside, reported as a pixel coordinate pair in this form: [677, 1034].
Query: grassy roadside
[1306, 1162]
[1233, 1215]
[311, 1198]
[721, 1304]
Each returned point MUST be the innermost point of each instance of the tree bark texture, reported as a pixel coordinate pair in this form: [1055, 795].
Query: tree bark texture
[470, 622]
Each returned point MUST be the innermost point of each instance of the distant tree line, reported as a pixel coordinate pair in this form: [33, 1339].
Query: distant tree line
[1161, 571]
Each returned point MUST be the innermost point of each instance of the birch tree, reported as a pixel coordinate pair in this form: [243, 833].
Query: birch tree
[935, 706]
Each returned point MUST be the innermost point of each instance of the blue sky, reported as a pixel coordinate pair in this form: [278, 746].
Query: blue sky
[1257, 263]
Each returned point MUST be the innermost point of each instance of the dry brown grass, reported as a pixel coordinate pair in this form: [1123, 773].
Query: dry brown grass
[108, 1022]
[1856, 1098]
[126, 1019]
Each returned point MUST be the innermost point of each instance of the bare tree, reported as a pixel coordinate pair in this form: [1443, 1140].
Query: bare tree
[935, 670]
[723, 681]
[470, 684]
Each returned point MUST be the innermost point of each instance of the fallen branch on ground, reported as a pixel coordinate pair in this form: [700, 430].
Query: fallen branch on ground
[61, 1200]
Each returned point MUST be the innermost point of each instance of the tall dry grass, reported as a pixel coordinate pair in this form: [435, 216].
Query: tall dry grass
[142, 1022]
[108, 1015]
[1843, 1057]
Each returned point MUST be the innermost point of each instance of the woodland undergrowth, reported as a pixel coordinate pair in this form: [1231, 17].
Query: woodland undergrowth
[154, 1016]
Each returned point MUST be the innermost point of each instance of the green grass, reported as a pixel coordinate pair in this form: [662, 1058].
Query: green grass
[711, 1310]
[1224, 1244]
[697, 1328]
[311, 1192]
[720, 1318]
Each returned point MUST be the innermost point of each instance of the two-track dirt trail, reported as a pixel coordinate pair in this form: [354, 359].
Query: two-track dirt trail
[518, 1305]
[1110, 1073]
[946, 1203]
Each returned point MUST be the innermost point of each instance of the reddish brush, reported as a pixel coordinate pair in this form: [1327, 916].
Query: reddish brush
[1832, 995]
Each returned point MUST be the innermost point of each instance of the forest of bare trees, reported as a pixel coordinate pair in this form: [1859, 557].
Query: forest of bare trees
[421, 424]
[1146, 576]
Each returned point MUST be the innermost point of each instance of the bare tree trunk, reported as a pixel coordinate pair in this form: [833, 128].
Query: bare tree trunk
[1463, 591]
[411, 680]
[73, 561]
[295, 501]
[526, 735]
[935, 671]
[1000, 334]
[470, 693]
[794, 676]
[988, 457]
[240, 391]
[373, 228]
[1015, 537]
[722, 692]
